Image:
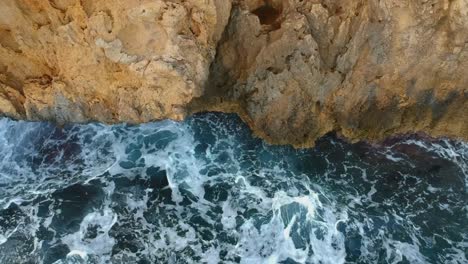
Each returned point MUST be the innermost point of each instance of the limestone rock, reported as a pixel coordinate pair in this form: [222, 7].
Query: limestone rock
[110, 61]
[293, 69]
[363, 68]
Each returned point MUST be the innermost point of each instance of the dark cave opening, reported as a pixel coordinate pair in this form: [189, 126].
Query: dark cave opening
[267, 14]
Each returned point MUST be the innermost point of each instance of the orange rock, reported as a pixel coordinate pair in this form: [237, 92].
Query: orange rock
[294, 70]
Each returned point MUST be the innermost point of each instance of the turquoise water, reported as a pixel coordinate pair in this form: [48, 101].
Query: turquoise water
[206, 191]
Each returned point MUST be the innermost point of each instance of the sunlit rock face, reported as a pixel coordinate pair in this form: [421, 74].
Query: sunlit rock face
[364, 68]
[294, 70]
[112, 61]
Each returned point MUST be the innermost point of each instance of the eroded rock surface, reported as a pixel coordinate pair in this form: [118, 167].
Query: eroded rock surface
[293, 69]
[111, 61]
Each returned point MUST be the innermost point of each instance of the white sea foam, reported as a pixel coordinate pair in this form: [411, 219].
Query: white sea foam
[231, 198]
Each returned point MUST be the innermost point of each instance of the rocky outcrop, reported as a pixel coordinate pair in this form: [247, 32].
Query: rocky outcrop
[108, 60]
[293, 69]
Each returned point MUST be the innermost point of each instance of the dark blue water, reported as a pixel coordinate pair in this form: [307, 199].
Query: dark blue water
[206, 191]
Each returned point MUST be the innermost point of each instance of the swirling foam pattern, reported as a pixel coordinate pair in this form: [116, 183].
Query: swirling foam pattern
[206, 191]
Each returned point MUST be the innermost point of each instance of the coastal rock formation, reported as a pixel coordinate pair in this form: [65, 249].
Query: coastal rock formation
[293, 69]
[110, 61]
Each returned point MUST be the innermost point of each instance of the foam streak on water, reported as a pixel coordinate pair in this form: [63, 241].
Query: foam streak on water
[206, 191]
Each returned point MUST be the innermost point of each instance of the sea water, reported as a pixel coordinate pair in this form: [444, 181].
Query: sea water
[206, 191]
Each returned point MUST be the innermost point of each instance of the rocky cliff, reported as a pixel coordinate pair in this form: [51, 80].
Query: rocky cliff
[293, 69]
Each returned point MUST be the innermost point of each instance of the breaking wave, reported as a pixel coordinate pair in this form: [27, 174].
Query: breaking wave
[206, 191]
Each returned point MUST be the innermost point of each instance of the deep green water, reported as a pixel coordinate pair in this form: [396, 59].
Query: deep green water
[206, 191]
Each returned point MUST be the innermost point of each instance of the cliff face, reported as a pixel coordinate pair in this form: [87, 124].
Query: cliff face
[293, 69]
[108, 60]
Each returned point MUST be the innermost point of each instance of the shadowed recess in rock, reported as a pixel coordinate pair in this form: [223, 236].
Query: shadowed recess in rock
[267, 14]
